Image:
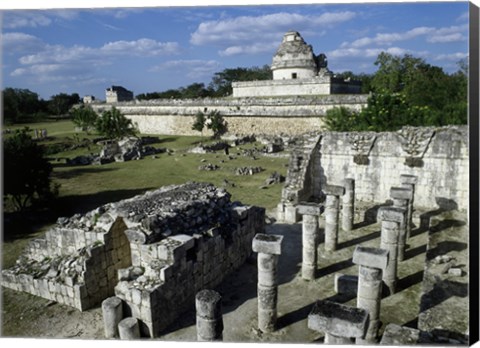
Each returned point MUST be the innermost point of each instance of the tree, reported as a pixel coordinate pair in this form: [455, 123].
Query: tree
[26, 170]
[84, 117]
[61, 103]
[199, 123]
[213, 121]
[222, 81]
[114, 125]
[21, 105]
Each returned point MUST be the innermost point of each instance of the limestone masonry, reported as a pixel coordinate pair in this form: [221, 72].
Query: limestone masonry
[268, 115]
[438, 157]
[154, 252]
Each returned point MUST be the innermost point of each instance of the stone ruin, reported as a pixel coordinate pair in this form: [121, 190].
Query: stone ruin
[159, 252]
[154, 252]
[125, 149]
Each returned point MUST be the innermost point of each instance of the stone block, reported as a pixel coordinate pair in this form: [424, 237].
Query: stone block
[338, 319]
[346, 284]
[291, 214]
[136, 236]
[401, 193]
[370, 257]
[186, 240]
[393, 214]
[307, 208]
[396, 335]
[408, 179]
[267, 244]
[334, 190]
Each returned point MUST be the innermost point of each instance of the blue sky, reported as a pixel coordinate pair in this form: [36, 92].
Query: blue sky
[154, 49]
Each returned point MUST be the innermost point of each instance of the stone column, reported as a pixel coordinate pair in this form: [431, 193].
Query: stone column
[409, 181]
[348, 201]
[371, 262]
[331, 215]
[268, 247]
[128, 329]
[339, 322]
[112, 312]
[392, 218]
[401, 197]
[208, 304]
[310, 236]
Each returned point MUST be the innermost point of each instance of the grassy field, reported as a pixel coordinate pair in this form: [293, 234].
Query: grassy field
[83, 188]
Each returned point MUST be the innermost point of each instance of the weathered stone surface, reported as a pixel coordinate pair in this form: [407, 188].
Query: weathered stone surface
[334, 190]
[306, 208]
[408, 179]
[396, 335]
[401, 193]
[267, 244]
[129, 329]
[208, 304]
[338, 319]
[112, 312]
[346, 284]
[370, 257]
[393, 214]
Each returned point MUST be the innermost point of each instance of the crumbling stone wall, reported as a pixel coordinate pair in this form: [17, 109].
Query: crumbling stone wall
[76, 263]
[270, 115]
[154, 251]
[437, 156]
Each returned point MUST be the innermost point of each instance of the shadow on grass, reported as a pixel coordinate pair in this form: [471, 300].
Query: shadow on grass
[358, 240]
[78, 171]
[410, 280]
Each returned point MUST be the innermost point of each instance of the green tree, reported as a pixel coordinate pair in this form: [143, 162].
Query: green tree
[340, 119]
[199, 123]
[216, 123]
[114, 125]
[221, 82]
[21, 105]
[213, 121]
[26, 171]
[60, 104]
[84, 117]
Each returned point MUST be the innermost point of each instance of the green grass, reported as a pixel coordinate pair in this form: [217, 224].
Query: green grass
[84, 188]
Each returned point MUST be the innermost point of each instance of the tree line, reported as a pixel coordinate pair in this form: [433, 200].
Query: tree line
[22, 105]
[406, 91]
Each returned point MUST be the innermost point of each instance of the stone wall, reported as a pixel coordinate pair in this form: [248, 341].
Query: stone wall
[437, 156]
[291, 115]
[73, 265]
[154, 251]
[316, 86]
[283, 87]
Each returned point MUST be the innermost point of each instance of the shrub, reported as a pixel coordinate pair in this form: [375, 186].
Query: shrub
[114, 125]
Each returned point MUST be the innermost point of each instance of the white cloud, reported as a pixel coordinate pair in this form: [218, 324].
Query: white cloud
[19, 42]
[248, 49]
[23, 19]
[141, 47]
[451, 56]
[194, 68]
[446, 38]
[239, 32]
[433, 35]
[58, 62]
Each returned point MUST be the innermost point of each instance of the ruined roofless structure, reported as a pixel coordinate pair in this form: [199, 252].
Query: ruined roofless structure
[297, 71]
[154, 252]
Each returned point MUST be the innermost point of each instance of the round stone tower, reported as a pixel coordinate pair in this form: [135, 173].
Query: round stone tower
[294, 59]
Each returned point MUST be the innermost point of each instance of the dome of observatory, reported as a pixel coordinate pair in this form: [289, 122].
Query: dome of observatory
[294, 59]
